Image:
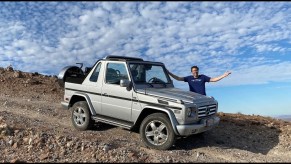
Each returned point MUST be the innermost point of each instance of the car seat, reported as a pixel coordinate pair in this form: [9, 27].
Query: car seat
[112, 76]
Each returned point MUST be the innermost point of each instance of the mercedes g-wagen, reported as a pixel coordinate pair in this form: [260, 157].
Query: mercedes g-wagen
[132, 93]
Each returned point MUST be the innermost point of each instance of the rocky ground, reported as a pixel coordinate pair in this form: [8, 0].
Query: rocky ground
[34, 128]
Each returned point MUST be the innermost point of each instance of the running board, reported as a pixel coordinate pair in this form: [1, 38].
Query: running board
[113, 121]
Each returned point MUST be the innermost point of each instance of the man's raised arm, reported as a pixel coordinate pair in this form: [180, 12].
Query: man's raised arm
[175, 77]
[220, 77]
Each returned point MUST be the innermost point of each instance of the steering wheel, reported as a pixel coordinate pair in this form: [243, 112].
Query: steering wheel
[118, 72]
[153, 79]
[156, 80]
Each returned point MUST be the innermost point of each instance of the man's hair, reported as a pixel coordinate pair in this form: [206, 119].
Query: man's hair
[194, 67]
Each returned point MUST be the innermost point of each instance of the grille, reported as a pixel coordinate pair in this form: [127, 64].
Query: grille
[206, 110]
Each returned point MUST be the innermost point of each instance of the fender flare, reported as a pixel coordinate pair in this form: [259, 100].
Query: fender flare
[170, 114]
[88, 100]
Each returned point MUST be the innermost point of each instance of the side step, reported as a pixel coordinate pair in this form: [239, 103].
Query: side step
[113, 121]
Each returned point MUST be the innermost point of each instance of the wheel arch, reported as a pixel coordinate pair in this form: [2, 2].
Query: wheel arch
[82, 97]
[152, 109]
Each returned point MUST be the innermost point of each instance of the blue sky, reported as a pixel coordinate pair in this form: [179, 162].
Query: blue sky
[251, 39]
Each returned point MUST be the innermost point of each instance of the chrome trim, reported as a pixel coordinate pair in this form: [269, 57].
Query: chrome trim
[189, 129]
[116, 123]
[207, 110]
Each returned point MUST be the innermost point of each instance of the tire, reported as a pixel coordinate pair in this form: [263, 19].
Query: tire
[81, 116]
[165, 137]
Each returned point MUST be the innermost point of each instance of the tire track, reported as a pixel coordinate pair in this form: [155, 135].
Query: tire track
[36, 110]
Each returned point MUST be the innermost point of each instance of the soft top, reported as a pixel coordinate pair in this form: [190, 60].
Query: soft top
[123, 58]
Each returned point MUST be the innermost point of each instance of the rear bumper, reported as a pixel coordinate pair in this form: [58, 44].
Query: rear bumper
[203, 125]
[65, 105]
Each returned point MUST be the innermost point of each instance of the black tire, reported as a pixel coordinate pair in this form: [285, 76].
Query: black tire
[81, 116]
[159, 127]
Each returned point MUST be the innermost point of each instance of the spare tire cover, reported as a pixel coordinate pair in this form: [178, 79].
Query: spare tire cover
[69, 71]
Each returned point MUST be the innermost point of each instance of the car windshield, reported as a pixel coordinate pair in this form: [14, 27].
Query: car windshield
[148, 74]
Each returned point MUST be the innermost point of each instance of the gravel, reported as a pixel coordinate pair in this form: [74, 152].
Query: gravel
[34, 128]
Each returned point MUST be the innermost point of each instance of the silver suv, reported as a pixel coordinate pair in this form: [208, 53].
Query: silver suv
[129, 92]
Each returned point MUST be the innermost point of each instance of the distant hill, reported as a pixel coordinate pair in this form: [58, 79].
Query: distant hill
[284, 117]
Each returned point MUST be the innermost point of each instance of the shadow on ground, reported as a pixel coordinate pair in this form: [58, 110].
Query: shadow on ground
[235, 132]
[99, 126]
[253, 134]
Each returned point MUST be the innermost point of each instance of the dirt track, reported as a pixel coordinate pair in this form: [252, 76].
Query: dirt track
[34, 128]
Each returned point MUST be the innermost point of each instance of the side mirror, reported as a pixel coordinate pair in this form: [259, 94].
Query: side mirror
[124, 83]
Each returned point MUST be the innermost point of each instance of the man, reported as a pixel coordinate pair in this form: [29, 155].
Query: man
[197, 82]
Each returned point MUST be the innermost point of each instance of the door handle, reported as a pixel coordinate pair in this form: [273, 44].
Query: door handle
[104, 94]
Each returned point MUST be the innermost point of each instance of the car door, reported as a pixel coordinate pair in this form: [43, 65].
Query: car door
[116, 100]
[93, 85]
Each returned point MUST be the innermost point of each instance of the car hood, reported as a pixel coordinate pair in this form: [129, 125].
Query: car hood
[175, 93]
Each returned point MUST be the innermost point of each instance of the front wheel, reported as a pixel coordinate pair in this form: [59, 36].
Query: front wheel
[80, 115]
[156, 132]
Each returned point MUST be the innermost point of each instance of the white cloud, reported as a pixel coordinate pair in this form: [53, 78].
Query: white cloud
[257, 74]
[216, 36]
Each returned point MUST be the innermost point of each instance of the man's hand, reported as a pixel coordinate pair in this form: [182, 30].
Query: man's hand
[220, 77]
[226, 73]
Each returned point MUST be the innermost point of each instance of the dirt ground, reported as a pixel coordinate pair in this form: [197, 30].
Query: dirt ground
[35, 128]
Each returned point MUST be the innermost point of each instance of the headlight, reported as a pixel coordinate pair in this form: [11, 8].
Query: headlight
[191, 112]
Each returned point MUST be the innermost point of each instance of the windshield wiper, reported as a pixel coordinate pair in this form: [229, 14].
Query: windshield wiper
[150, 84]
[165, 84]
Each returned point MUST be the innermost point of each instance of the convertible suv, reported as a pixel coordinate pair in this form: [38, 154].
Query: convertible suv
[132, 93]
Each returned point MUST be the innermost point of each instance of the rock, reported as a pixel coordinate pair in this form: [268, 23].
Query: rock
[18, 74]
[30, 141]
[29, 147]
[9, 68]
[15, 145]
[106, 148]
[5, 103]
[69, 144]
[169, 159]
[16, 161]
[51, 146]
[44, 156]
[131, 154]
[35, 74]
[25, 140]
[3, 127]
[16, 131]
[199, 154]
[10, 142]
[32, 82]
[63, 151]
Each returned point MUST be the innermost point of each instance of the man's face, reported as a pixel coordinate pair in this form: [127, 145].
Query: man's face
[195, 72]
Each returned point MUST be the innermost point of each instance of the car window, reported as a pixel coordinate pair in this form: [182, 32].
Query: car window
[115, 72]
[95, 74]
[142, 73]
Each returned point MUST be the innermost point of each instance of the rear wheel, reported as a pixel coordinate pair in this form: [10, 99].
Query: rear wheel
[156, 131]
[80, 116]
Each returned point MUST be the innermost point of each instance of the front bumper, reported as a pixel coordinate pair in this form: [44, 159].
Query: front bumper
[203, 125]
[65, 105]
